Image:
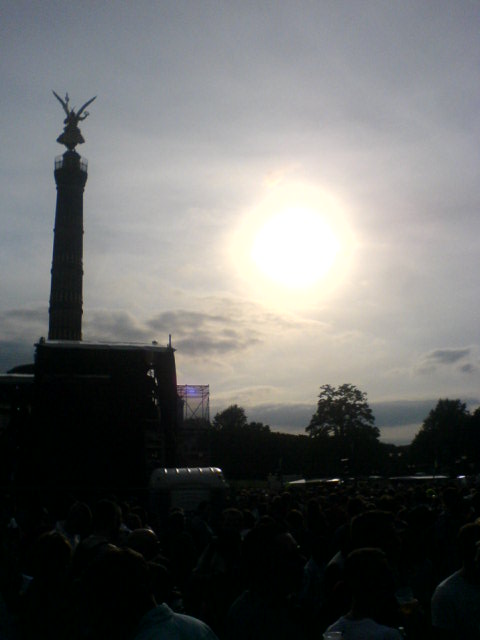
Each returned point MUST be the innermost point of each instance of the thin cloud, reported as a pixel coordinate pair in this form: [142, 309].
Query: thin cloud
[235, 328]
[17, 325]
[442, 358]
[468, 368]
[230, 326]
[448, 356]
[207, 345]
[115, 326]
[244, 396]
[28, 315]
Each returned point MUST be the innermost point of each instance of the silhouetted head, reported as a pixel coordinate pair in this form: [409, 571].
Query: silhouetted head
[133, 521]
[248, 519]
[145, 542]
[316, 521]
[232, 519]
[118, 592]
[450, 498]
[79, 519]
[370, 579]
[272, 560]
[107, 518]
[374, 529]
[355, 506]
[277, 509]
[51, 557]
[204, 509]
[295, 520]
[176, 521]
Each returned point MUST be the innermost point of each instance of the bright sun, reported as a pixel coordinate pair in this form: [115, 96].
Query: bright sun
[295, 248]
[294, 244]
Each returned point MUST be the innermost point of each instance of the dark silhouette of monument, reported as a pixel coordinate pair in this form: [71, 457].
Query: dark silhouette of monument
[86, 414]
[65, 311]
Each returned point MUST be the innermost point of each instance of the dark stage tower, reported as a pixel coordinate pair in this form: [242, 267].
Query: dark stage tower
[65, 311]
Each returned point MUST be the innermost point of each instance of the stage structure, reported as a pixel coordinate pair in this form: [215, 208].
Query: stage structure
[194, 435]
[108, 414]
[66, 302]
[196, 401]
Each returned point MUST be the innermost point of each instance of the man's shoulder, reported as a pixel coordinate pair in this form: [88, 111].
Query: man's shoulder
[450, 585]
[365, 628]
[161, 623]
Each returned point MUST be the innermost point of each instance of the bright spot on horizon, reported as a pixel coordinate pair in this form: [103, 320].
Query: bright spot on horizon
[295, 248]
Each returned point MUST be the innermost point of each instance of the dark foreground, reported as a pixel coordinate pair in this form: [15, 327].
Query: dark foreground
[268, 565]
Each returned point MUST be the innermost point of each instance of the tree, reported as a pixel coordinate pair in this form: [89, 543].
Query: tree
[344, 425]
[442, 439]
[233, 417]
[473, 442]
[258, 427]
[342, 413]
[243, 449]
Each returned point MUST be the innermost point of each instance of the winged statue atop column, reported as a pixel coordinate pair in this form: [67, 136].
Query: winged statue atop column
[72, 135]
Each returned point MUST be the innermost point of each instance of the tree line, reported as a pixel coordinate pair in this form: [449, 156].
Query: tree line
[341, 439]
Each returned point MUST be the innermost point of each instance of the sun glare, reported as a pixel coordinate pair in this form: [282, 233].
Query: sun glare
[295, 247]
[295, 242]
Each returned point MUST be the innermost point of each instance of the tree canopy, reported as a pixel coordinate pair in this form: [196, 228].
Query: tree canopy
[342, 412]
[444, 435]
[344, 426]
[233, 417]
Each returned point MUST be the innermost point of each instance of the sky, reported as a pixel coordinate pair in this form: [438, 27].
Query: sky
[290, 189]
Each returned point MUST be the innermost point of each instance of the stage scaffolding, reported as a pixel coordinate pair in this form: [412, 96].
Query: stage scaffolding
[195, 401]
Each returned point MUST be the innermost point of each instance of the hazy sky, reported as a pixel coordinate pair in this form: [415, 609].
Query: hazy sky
[290, 189]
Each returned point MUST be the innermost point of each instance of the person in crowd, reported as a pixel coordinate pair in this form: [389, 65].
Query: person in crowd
[416, 566]
[44, 609]
[268, 608]
[179, 547]
[446, 527]
[313, 595]
[371, 584]
[278, 507]
[376, 528]
[145, 542]
[456, 600]
[335, 598]
[247, 581]
[200, 526]
[120, 603]
[296, 526]
[107, 519]
[77, 524]
[216, 578]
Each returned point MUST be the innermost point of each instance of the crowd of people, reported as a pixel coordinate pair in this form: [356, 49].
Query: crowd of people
[361, 560]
